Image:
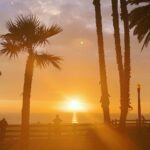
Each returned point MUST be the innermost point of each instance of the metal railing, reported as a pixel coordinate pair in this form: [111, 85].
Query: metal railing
[132, 123]
[46, 131]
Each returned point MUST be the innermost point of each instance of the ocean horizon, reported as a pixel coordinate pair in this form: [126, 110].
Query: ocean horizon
[44, 118]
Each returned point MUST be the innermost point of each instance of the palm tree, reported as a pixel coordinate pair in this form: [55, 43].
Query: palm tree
[115, 15]
[102, 66]
[125, 103]
[25, 34]
[140, 21]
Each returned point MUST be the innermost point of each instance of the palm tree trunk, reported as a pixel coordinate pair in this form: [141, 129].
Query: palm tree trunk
[102, 66]
[26, 102]
[118, 46]
[126, 101]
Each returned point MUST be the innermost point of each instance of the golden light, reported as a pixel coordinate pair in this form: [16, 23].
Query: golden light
[74, 118]
[75, 105]
[81, 43]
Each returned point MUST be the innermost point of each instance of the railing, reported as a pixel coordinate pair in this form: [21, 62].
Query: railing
[48, 131]
[132, 123]
[51, 131]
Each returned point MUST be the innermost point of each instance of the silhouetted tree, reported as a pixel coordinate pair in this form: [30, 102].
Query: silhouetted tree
[102, 66]
[25, 34]
[140, 21]
[125, 103]
[119, 58]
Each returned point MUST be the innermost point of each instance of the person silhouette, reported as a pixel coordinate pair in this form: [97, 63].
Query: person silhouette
[3, 126]
[57, 122]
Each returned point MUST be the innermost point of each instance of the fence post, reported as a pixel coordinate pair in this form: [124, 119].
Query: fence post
[139, 105]
[3, 127]
[74, 129]
[137, 123]
[49, 131]
[112, 123]
[116, 124]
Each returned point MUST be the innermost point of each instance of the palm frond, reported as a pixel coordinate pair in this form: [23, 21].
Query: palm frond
[12, 28]
[10, 48]
[26, 32]
[137, 1]
[139, 20]
[43, 33]
[44, 60]
[53, 30]
[27, 27]
[146, 41]
[24, 29]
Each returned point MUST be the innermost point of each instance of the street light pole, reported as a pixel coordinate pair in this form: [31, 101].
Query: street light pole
[139, 104]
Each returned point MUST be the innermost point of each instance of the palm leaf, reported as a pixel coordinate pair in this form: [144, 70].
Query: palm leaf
[146, 41]
[26, 33]
[44, 60]
[137, 1]
[27, 27]
[10, 48]
[53, 30]
[139, 20]
[43, 33]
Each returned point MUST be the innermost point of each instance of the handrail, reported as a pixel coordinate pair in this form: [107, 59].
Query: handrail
[13, 131]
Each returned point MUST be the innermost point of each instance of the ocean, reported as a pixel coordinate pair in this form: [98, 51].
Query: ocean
[15, 118]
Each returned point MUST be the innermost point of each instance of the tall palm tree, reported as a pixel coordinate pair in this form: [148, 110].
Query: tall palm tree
[140, 20]
[115, 15]
[125, 103]
[25, 34]
[102, 66]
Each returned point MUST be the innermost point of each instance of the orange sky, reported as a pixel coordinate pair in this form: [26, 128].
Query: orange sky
[79, 75]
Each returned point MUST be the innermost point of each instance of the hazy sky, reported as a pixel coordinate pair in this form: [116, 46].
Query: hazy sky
[79, 76]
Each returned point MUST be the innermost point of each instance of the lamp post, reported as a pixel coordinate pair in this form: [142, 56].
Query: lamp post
[139, 104]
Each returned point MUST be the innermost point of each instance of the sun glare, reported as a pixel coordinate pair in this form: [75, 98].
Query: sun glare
[81, 43]
[75, 105]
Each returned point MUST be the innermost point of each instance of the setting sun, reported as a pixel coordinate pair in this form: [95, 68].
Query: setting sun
[81, 43]
[75, 105]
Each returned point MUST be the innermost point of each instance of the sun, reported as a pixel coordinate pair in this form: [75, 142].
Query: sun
[81, 42]
[75, 105]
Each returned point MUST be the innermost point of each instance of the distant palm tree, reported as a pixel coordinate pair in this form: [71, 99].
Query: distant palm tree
[102, 66]
[25, 35]
[125, 103]
[140, 20]
[119, 57]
